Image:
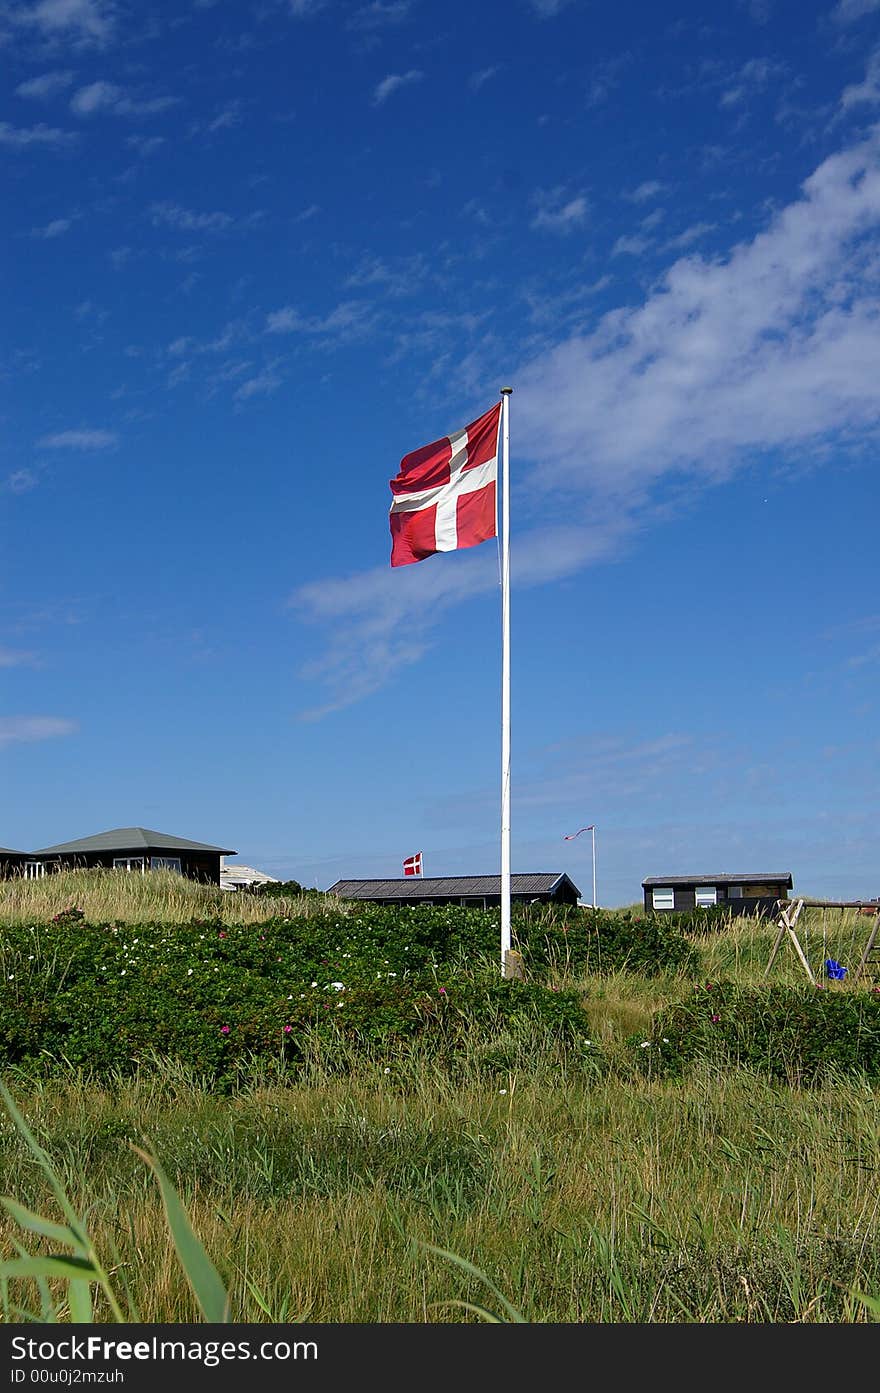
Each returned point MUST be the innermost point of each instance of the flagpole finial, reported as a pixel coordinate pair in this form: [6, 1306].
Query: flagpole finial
[506, 391]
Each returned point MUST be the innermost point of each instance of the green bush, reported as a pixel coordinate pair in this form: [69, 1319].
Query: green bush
[596, 942]
[210, 995]
[794, 1034]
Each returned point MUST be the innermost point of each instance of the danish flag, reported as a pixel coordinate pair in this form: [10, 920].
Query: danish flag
[444, 495]
[413, 864]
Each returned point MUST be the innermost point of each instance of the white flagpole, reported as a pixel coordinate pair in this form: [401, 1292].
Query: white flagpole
[593, 830]
[505, 678]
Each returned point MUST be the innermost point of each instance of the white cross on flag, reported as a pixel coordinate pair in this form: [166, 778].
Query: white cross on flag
[413, 864]
[444, 495]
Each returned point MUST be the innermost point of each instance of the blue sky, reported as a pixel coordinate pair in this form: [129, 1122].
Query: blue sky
[256, 252]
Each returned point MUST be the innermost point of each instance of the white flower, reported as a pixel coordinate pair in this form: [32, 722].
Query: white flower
[386, 1071]
[338, 986]
[665, 1040]
[314, 984]
[644, 1045]
[502, 1090]
[189, 972]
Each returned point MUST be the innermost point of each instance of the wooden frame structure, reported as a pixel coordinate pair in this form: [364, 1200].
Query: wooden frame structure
[788, 913]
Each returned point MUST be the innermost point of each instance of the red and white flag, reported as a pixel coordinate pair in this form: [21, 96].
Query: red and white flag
[444, 495]
[571, 836]
[413, 864]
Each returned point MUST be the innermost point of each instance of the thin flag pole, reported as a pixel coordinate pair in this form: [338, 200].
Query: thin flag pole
[505, 677]
[593, 830]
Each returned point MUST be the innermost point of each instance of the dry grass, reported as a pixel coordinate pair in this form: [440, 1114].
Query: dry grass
[108, 896]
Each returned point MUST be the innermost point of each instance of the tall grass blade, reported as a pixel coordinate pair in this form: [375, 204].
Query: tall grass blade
[513, 1315]
[204, 1279]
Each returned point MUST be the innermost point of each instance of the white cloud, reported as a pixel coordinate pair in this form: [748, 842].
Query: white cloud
[107, 96]
[381, 14]
[560, 214]
[79, 440]
[56, 228]
[348, 320]
[847, 11]
[172, 215]
[16, 730]
[46, 86]
[771, 349]
[478, 79]
[393, 82]
[649, 189]
[867, 92]
[84, 22]
[20, 137]
[145, 144]
[546, 9]
[16, 657]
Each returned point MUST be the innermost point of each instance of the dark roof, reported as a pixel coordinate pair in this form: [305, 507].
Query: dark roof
[7, 851]
[417, 887]
[130, 839]
[747, 878]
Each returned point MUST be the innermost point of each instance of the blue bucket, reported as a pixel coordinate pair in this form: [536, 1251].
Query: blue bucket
[834, 969]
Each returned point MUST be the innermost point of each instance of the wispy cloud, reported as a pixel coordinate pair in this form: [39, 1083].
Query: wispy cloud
[348, 320]
[23, 137]
[81, 439]
[546, 9]
[381, 14]
[17, 657]
[848, 11]
[645, 191]
[770, 349]
[145, 145]
[85, 23]
[393, 83]
[479, 79]
[172, 215]
[56, 228]
[46, 86]
[559, 213]
[17, 730]
[107, 96]
[867, 92]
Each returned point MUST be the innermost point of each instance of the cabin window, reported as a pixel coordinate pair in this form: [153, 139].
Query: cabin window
[34, 870]
[705, 895]
[128, 863]
[165, 863]
[734, 892]
[474, 902]
[663, 897]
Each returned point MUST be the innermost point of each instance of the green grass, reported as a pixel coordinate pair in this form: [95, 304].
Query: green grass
[515, 1181]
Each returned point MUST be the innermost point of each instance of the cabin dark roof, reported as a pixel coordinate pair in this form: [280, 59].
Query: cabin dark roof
[747, 878]
[7, 851]
[417, 887]
[130, 839]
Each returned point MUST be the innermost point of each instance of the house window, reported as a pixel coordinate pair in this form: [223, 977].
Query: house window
[705, 895]
[165, 863]
[128, 863]
[663, 897]
[34, 870]
[474, 902]
[734, 892]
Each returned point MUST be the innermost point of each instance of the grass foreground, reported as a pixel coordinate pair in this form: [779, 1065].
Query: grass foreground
[583, 1185]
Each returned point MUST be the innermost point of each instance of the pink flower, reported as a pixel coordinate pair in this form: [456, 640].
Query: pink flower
[442, 991]
[221, 935]
[715, 1020]
[224, 1030]
[288, 1029]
